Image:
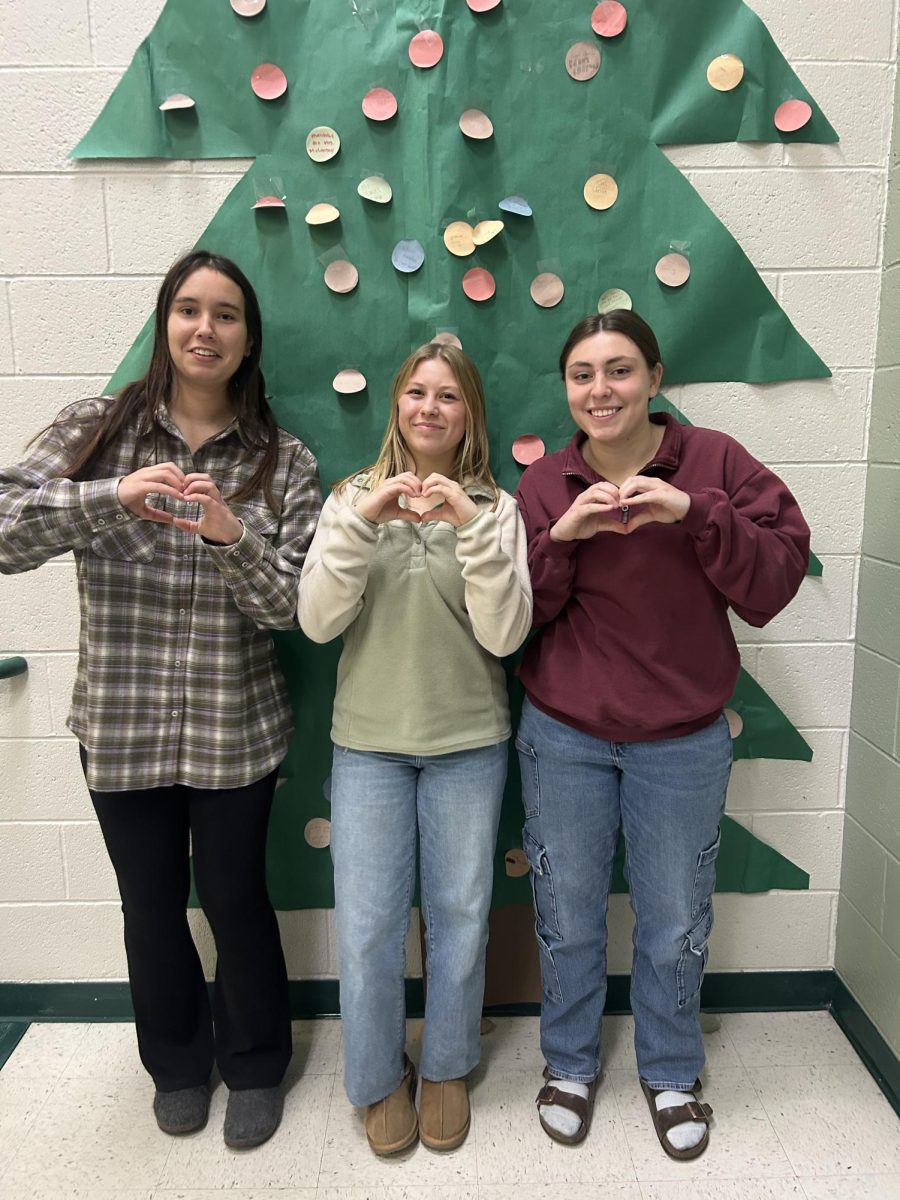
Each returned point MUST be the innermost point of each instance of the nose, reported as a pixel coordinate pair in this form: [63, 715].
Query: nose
[600, 385]
[205, 327]
[429, 403]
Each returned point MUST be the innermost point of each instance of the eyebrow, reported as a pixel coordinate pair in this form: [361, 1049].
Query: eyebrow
[218, 304]
[608, 362]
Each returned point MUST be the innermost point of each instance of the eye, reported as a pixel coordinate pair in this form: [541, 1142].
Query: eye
[581, 377]
[447, 396]
[226, 316]
[186, 310]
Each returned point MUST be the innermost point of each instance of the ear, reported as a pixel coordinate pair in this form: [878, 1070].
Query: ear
[248, 347]
[655, 379]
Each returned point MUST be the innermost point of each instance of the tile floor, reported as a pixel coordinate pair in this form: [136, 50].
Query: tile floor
[797, 1116]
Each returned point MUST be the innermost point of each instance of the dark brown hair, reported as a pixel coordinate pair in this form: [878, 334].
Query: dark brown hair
[246, 387]
[619, 320]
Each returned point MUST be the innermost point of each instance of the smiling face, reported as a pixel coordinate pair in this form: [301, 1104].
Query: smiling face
[207, 331]
[432, 416]
[608, 385]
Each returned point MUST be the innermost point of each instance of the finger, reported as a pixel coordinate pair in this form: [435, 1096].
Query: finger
[187, 525]
[151, 488]
[157, 514]
[203, 500]
[198, 476]
[201, 488]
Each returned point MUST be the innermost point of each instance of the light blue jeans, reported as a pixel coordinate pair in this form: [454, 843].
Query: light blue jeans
[668, 798]
[378, 802]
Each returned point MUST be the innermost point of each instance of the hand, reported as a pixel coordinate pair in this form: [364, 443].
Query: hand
[597, 509]
[217, 522]
[457, 509]
[163, 479]
[382, 505]
[651, 499]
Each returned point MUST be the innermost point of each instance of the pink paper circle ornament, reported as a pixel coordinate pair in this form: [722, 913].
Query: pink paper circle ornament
[426, 49]
[268, 81]
[609, 18]
[248, 8]
[269, 202]
[673, 270]
[480, 6]
[528, 448]
[379, 104]
[341, 276]
[792, 115]
[446, 338]
[479, 285]
[317, 833]
[735, 722]
[547, 290]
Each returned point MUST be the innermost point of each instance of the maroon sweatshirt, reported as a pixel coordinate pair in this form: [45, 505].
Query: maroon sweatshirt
[633, 641]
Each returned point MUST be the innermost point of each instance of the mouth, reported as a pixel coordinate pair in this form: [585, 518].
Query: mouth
[202, 352]
[603, 414]
[426, 425]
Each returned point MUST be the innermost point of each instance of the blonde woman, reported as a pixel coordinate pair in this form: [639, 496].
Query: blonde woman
[419, 561]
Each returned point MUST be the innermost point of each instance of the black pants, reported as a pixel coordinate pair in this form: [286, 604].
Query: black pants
[149, 835]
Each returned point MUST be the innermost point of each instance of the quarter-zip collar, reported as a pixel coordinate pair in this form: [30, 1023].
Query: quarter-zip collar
[666, 458]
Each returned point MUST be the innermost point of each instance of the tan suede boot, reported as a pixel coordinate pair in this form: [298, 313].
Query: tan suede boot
[391, 1123]
[443, 1114]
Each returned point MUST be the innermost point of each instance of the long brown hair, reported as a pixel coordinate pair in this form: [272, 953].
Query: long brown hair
[141, 399]
[471, 465]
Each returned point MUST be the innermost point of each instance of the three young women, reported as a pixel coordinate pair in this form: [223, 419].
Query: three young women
[419, 562]
[642, 534]
[189, 513]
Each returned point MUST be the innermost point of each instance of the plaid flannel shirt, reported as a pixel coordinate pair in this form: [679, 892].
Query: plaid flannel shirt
[177, 678]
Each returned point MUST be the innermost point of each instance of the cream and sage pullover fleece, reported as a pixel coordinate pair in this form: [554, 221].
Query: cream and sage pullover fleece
[426, 612]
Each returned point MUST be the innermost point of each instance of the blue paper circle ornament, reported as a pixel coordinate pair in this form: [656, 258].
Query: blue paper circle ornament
[408, 256]
[516, 204]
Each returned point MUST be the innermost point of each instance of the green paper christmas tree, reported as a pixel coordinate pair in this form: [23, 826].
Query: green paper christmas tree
[551, 134]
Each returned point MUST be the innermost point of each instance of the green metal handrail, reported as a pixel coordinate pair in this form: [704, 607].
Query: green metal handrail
[12, 666]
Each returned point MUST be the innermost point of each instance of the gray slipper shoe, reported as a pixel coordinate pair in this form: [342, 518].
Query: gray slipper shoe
[252, 1116]
[183, 1111]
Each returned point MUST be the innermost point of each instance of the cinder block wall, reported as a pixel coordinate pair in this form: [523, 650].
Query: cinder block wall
[85, 246]
[867, 954]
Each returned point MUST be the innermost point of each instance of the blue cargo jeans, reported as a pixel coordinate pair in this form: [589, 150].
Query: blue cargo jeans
[667, 797]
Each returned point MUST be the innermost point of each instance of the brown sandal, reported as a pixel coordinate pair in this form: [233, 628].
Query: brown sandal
[582, 1107]
[666, 1118]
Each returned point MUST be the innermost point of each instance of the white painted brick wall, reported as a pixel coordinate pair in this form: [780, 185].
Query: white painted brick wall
[810, 218]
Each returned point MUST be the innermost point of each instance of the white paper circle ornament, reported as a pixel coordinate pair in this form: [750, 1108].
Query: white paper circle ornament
[322, 143]
[375, 188]
[349, 382]
[476, 125]
[486, 231]
[583, 61]
[175, 101]
[673, 270]
[322, 214]
[248, 8]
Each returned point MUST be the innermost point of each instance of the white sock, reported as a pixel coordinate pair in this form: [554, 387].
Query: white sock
[562, 1119]
[688, 1133]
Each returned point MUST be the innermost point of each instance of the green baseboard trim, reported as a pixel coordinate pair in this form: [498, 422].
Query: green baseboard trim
[880, 1060]
[723, 991]
[11, 1033]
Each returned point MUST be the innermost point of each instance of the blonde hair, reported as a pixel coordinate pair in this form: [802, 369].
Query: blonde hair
[471, 465]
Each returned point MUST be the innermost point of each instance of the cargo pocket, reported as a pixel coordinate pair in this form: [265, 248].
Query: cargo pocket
[694, 953]
[695, 947]
[531, 780]
[546, 926]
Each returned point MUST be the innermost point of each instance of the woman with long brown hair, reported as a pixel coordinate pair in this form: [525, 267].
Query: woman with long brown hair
[189, 513]
[419, 562]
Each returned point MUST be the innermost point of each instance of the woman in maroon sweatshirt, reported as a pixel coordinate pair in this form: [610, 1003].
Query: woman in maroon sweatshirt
[642, 533]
